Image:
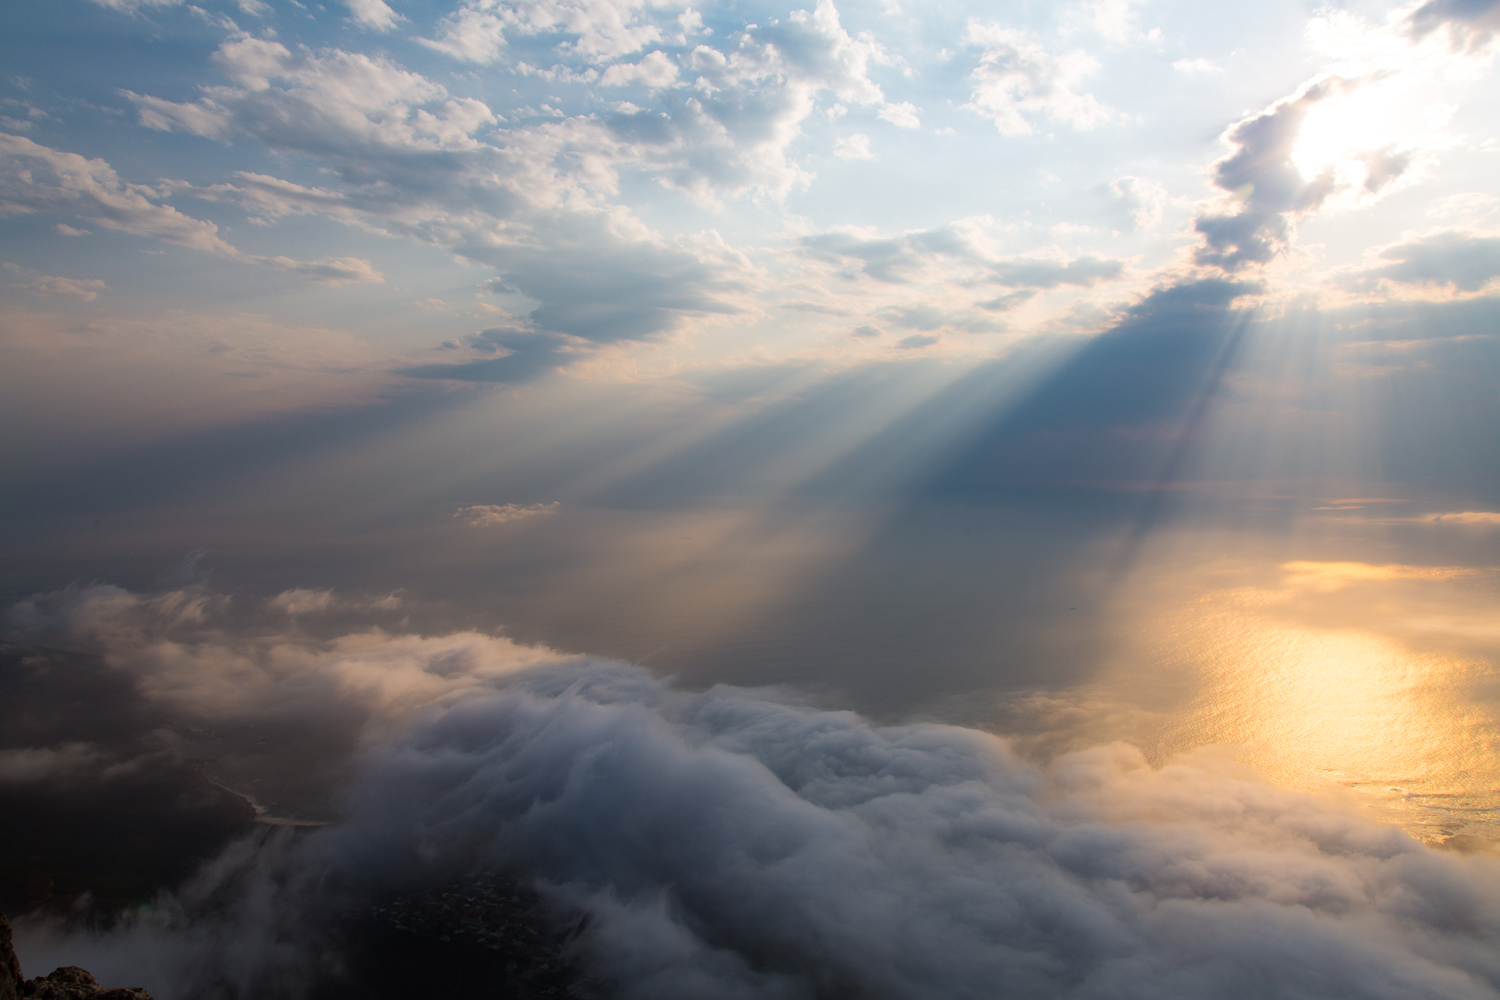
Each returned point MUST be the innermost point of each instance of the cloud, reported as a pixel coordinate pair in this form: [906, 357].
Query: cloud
[477, 31]
[488, 515]
[301, 601]
[1197, 67]
[373, 14]
[735, 843]
[342, 271]
[133, 6]
[902, 115]
[1329, 576]
[1471, 23]
[654, 71]
[35, 178]
[853, 147]
[1140, 199]
[1267, 187]
[1018, 80]
[1021, 272]
[1468, 517]
[907, 257]
[87, 289]
[307, 601]
[1461, 260]
[412, 165]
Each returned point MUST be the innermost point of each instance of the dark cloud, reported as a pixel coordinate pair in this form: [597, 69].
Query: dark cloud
[597, 286]
[1261, 175]
[1472, 22]
[1462, 260]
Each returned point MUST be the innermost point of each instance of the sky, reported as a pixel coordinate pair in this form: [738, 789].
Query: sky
[1015, 486]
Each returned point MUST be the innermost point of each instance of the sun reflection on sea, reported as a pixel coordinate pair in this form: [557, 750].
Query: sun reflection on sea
[1375, 684]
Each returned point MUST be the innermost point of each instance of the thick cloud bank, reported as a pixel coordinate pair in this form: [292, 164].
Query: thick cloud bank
[736, 843]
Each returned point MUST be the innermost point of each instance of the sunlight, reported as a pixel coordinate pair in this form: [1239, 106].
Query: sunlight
[1368, 138]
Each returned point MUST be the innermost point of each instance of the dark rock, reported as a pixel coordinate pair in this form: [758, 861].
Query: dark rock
[68, 982]
[10, 966]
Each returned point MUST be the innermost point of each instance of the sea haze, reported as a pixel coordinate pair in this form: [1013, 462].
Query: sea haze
[609, 499]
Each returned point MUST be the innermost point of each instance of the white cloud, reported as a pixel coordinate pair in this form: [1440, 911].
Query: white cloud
[655, 70]
[1141, 197]
[1017, 80]
[601, 30]
[417, 166]
[903, 115]
[488, 515]
[87, 289]
[35, 178]
[853, 147]
[373, 14]
[1197, 67]
[131, 6]
[733, 843]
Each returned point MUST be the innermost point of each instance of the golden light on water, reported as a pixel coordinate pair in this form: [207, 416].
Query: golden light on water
[1332, 683]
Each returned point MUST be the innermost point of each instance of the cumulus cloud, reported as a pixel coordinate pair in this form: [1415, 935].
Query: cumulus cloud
[373, 14]
[488, 515]
[736, 843]
[476, 32]
[413, 165]
[654, 70]
[1018, 80]
[749, 93]
[1267, 188]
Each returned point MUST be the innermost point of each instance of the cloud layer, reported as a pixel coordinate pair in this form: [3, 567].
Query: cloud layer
[736, 843]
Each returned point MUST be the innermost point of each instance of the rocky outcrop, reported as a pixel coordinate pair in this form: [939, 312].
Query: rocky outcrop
[11, 982]
[66, 983]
